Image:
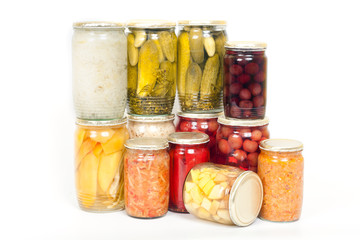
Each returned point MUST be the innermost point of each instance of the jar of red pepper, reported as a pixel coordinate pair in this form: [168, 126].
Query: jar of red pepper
[187, 149]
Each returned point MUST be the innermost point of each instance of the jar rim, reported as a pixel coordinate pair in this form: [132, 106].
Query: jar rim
[147, 143]
[201, 23]
[100, 123]
[200, 115]
[150, 23]
[150, 118]
[188, 138]
[243, 122]
[281, 145]
[246, 45]
[98, 25]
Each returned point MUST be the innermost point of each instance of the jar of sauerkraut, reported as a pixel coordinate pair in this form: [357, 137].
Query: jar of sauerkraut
[151, 126]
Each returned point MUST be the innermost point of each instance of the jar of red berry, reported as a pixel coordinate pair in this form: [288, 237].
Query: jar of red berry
[187, 149]
[237, 141]
[245, 80]
[198, 122]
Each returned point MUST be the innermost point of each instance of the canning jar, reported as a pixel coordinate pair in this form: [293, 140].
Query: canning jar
[245, 80]
[152, 59]
[237, 142]
[99, 70]
[200, 67]
[151, 126]
[147, 170]
[223, 194]
[99, 166]
[281, 170]
[186, 150]
[200, 122]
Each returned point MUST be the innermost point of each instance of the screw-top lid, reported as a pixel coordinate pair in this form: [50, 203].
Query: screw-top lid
[245, 45]
[98, 25]
[201, 22]
[147, 143]
[199, 115]
[246, 198]
[243, 122]
[150, 23]
[102, 123]
[152, 118]
[189, 138]
[281, 145]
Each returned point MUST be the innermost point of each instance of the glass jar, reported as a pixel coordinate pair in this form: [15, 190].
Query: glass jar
[151, 126]
[245, 80]
[99, 151]
[237, 142]
[281, 170]
[147, 169]
[99, 70]
[152, 59]
[206, 123]
[200, 68]
[223, 194]
[186, 150]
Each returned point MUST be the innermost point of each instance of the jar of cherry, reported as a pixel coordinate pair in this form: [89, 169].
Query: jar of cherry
[237, 141]
[187, 149]
[245, 80]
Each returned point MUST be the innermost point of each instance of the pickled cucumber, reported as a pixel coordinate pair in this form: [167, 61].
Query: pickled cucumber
[167, 47]
[209, 44]
[133, 52]
[161, 54]
[196, 45]
[140, 38]
[209, 77]
[193, 81]
[184, 61]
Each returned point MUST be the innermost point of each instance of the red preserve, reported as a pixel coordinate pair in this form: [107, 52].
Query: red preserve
[245, 80]
[237, 142]
[197, 122]
[187, 149]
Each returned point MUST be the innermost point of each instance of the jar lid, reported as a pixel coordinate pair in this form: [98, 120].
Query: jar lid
[98, 25]
[201, 22]
[243, 122]
[246, 198]
[189, 138]
[281, 145]
[150, 23]
[200, 115]
[100, 123]
[147, 143]
[150, 118]
[246, 45]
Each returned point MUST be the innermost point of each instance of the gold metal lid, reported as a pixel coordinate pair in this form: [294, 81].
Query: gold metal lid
[243, 122]
[150, 23]
[246, 45]
[200, 115]
[202, 23]
[281, 145]
[246, 198]
[152, 118]
[147, 143]
[188, 138]
[98, 25]
[100, 123]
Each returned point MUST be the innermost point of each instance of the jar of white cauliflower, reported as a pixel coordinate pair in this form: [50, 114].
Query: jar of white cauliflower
[159, 126]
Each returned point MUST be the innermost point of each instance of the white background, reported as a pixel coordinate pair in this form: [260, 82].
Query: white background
[313, 96]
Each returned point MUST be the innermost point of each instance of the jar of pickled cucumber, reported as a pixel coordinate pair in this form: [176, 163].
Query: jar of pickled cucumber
[99, 74]
[223, 194]
[99, 165]
[200, 65]
[152, 63]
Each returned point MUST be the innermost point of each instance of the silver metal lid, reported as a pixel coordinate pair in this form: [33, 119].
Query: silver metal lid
[243, 122]
[150, 23]
[202, 23]
[189, 138]
[147, 143]
[200, 115]
[100, 123]
[152, 118]
[98, 25]
[281, 145]
[246, 45]
[246, 198]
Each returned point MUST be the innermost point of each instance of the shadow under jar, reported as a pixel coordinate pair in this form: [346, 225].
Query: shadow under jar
[245, 75]
[152, 66]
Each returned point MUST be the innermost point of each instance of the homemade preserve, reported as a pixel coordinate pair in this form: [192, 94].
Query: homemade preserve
[186, 150]
[99, 75]
[147, 168]
[151, 126]
[99, 165]
[200, 65]
[152, 63]
[237, 142]
[223, 194]
[245, 80]
[281, 170]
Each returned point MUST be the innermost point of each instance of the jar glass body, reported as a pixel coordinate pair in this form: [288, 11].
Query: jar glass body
[245, 84]
[159, 129]
[99, 166]
[99, 73]
[147, 182]
[152, 67]
[282, 176]
[183, 157]
[200, 67]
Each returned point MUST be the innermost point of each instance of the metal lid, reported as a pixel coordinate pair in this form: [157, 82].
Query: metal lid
[246, 45]
[152, 118]
[200, 115]
[100, 123]
[98, 25]
[281, 145]
[147, 143]
[150, 23]
[201, 22]
[189, 138]
[243, 122]
[246, 198]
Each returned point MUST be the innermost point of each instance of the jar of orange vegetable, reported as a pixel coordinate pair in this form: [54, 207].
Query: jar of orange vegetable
[99, 150]
[147, 171]
[281, 170]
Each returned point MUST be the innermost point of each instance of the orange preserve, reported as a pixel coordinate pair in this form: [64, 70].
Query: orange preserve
[147, 170]
[281, 170]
